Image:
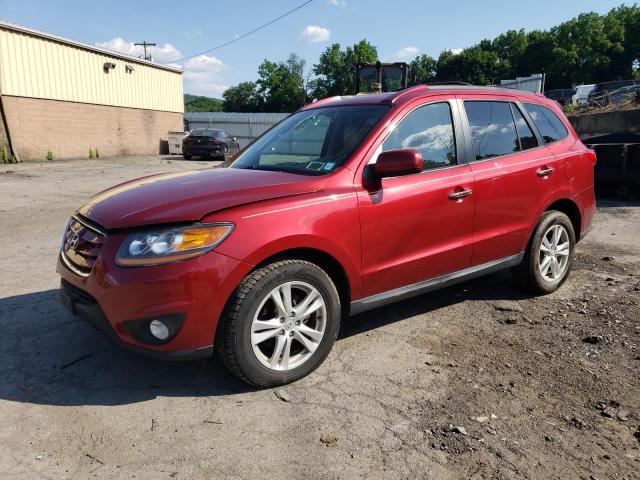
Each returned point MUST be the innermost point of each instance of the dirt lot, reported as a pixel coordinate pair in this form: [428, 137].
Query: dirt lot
[475, 381]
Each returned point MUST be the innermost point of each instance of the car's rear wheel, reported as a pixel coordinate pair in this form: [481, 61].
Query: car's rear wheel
[549, 256]
[187, 157]
[280, 324]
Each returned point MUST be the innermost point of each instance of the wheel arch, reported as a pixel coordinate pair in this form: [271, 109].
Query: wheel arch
[324, 260]
[571, 210]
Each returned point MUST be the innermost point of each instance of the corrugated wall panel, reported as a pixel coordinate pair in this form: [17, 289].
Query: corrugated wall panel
[36, 67]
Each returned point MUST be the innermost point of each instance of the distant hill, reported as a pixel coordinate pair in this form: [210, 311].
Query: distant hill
[194, 103]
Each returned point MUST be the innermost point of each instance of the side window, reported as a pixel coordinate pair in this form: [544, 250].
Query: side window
[525, 134]
[492, 129]
[428, 129]
[550, 126]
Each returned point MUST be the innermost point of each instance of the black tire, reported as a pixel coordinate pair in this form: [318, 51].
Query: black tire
[233, 338]
[187, 157]
[527, 275]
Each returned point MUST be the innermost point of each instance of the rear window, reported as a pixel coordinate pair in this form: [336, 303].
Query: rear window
[525, 134]
[550, 126]
[206, 133]
[492, 129]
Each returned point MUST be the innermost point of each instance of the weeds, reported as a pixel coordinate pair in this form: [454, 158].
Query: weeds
[50, 155]
[91, 154]
[97, 153]
[6, 156]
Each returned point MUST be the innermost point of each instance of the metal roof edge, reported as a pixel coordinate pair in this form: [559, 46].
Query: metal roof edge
[85, 46]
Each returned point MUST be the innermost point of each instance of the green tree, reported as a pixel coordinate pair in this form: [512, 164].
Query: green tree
[282, 85]
[474, 65]
[423, 69]
[202, 104]
[335, 70]
[244, 97]
[583, 50]
[510, 48]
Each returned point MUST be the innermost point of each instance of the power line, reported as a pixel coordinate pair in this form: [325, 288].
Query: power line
[244, 35]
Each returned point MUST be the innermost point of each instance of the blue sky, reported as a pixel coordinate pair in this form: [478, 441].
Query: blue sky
[399, 28]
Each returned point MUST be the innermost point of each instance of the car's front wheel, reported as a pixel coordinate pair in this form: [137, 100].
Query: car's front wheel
[549, 256]
[280, 324]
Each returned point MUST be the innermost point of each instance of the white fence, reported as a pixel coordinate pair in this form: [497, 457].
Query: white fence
[533, 83]
[246, 127]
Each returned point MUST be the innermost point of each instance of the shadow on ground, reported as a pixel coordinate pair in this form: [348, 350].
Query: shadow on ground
[50, 357]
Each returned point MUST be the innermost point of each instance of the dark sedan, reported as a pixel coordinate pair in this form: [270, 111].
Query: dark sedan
[209, 142]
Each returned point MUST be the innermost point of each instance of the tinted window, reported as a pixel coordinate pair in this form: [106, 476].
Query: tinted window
[525, 134]
[428, 129]
[549, 125]
[205, 133]
[312, 142]
[492, 129]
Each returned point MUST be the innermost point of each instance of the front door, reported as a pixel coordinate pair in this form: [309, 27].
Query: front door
[417, 227]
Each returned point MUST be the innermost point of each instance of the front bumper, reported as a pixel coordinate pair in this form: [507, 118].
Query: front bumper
[81, 304]
[111, 296]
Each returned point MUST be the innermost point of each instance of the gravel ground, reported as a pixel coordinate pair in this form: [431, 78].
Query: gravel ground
[474, 381]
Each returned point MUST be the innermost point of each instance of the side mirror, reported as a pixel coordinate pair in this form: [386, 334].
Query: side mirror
[396, 163]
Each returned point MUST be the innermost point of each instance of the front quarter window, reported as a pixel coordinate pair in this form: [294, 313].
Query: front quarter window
[312, 142]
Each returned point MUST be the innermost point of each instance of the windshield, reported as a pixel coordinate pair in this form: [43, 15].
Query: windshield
[312, 142]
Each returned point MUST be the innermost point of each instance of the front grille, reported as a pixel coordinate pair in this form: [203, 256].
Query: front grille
[80, 246]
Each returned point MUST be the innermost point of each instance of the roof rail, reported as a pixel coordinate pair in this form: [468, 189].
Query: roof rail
[401, 92]
[452, 82]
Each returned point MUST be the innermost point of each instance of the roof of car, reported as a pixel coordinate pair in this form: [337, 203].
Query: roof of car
[410, 93]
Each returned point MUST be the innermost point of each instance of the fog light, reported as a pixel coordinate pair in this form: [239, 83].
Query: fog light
[159, 330]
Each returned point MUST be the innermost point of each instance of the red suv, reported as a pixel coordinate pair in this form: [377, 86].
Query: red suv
[346, 205]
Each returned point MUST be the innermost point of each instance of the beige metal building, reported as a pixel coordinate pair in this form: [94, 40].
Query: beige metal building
[67, 97]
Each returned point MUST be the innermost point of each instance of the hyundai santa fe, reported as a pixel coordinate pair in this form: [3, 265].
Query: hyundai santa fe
[348, 204]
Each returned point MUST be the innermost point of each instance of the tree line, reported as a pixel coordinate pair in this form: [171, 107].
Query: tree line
[589, 48]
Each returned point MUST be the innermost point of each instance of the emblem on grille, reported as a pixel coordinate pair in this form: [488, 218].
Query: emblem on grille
[74, 240]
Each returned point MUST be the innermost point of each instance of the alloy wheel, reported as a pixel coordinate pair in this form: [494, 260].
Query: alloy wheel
[288, 326]
[553, 254]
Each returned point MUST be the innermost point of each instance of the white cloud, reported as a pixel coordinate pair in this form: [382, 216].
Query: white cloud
[166, 53]
[337, 3]
[407, 52]
[203, 75]
[457, 51]
[315, 34]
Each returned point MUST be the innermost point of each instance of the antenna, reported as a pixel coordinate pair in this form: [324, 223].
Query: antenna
[144, 45]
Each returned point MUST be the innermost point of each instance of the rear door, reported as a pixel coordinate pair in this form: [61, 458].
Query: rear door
[417, 227]
[514, 174]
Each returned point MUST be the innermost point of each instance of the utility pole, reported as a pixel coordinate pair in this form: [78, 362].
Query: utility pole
[144, 45]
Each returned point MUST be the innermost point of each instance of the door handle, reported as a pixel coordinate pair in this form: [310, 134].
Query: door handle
[545, 172]
[460, 194]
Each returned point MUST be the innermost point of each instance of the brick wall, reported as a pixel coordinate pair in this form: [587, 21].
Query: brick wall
[70, 129]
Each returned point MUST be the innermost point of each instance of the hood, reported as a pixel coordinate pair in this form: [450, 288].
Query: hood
[189, 196]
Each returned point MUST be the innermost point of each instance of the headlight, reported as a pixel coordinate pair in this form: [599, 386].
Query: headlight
[154, 247]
